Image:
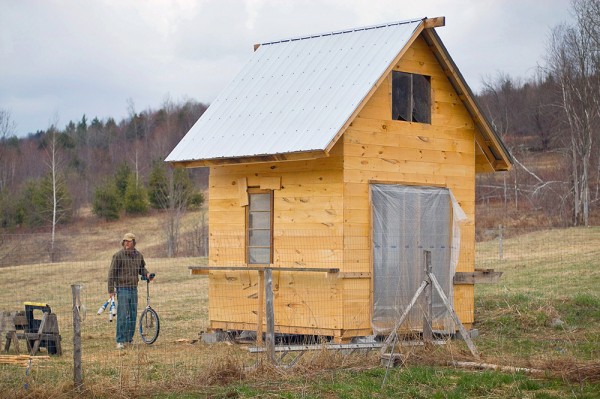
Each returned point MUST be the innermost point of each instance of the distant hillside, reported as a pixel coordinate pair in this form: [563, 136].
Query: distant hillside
[544, 188]
[88, 155]
[88, 238]
[547, 185]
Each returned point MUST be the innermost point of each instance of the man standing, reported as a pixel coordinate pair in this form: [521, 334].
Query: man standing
[125, 267]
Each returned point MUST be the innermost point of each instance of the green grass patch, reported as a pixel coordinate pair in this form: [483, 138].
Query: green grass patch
[544, 314]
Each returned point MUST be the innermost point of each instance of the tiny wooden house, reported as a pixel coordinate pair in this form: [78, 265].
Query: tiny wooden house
[355, 151]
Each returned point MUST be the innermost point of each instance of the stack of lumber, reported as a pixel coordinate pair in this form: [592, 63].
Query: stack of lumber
[21, 360]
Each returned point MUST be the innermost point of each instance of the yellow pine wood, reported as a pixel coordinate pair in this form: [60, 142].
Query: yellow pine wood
[412, 139]
[311, 230]
[421, 68]
[270, 182]
[425, 168]
[304, 190]
[321, 216]
[307, 240]
[322, 209]
[367, 156]
[424, 153]
[322, 202]
[374, 112]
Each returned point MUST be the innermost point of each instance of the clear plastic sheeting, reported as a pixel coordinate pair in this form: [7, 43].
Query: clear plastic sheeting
[408, 220]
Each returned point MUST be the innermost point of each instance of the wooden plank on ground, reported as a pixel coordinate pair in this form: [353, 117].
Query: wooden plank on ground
[21, 360]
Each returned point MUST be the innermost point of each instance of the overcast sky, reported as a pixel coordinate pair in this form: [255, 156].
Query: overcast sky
[61, 59]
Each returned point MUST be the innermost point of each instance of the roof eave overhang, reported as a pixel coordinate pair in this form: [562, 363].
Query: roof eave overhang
[289, 156]
[496, 153]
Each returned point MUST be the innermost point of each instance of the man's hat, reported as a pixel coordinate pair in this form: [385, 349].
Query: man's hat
[129, 237]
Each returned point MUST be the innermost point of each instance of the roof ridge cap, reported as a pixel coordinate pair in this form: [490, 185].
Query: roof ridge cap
[339, 32]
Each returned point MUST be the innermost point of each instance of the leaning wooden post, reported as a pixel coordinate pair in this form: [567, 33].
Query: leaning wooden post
[463, 332]
[428, 314]
[261, 307]
[77, 371]
[270, 341]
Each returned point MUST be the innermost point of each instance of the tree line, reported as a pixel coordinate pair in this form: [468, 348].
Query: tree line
[114, 168]
[550, 123]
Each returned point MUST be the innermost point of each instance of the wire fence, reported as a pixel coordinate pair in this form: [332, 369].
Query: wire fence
[542, 271]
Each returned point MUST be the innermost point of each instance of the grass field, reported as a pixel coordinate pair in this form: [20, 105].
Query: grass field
[544, 314]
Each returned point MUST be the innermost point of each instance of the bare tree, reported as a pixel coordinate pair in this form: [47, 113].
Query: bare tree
[573, 61]
[502, 107]
[588, 17]
[7, 128]
[170, 190]
[59, 195]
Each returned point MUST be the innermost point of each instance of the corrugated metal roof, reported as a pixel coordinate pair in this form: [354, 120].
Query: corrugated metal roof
[294, 95]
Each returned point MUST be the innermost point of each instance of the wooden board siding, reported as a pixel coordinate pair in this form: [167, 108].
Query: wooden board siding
[307, 232]
[322, 211]
[378, 149]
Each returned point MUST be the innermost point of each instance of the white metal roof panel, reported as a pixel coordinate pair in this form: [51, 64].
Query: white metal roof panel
[294, 95]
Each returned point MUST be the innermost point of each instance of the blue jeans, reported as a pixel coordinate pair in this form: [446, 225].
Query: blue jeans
[127, 300]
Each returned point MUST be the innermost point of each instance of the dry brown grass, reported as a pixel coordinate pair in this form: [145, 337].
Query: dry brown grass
[89, 238]
[573, 370]
[178, 362]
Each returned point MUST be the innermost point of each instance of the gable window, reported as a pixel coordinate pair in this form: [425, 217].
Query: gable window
[259, 227]
[411, 97]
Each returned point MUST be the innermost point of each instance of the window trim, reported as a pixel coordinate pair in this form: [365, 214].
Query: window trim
[248, 228]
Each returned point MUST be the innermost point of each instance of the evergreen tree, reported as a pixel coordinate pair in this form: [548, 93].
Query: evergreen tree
[8, 209]
[122, 177]
[29, 210]
[136, 198]
[106, 203]
[183, 184]
[36, 204]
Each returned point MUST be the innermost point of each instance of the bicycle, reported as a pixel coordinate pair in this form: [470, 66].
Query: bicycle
[149, 321]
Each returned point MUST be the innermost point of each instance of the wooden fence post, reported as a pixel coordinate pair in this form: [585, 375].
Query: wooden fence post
[270, 338]
[77, 370]
[261, 307]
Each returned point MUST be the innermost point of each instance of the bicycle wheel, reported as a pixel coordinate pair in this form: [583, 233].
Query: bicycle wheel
[149, 326]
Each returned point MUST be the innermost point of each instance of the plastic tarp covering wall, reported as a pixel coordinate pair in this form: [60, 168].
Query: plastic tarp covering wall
[408, 220]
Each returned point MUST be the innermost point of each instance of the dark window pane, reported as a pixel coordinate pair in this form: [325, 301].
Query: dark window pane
[401, 93]
[411, 97]
[421, 99]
